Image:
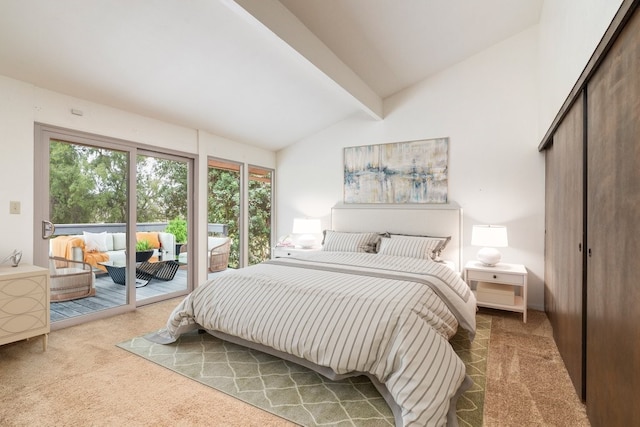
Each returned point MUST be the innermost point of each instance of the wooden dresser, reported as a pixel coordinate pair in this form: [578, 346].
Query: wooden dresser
[24, 303]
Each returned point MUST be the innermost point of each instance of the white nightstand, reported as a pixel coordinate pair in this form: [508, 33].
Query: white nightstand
[283, 251]
[499, 286]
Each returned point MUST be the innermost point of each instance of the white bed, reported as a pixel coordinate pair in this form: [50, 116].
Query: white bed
[345, 313]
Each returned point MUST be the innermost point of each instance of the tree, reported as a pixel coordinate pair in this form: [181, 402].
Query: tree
[224, 206]
[71, 199]
[259, 221]
[109, 170]
[171, 176]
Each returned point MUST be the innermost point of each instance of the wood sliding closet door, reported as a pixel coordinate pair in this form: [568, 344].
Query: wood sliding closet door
[613, 230]
[565, 241]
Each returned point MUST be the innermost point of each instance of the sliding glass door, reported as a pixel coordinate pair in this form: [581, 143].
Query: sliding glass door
[162, 184]
[88, 190]
[108, 217]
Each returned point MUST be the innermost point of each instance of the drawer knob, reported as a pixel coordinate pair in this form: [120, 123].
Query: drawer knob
[495, 277]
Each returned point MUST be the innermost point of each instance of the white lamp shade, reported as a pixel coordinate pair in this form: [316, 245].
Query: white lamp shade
[494, 236]
[490, 237]
[307, 228]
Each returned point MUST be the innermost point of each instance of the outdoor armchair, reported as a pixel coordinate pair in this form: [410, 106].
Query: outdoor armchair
[70, 279]
[218, 249]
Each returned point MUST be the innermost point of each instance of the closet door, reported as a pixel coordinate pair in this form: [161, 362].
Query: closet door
[564, 241]
[613, 232]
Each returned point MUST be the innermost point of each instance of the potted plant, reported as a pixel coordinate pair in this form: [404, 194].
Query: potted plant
[144, 250]
[178, 227]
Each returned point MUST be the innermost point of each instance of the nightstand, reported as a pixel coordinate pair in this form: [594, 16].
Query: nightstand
[284, 251]
[503, 286]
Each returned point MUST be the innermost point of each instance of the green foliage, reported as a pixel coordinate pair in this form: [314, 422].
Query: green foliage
[178, 227]
[71, 199]
[143, 245]
[90, 185]
[172, 187]
[86, 185]
[259, 221]
[224, 206]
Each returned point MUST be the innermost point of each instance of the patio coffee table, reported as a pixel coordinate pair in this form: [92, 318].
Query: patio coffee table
[145, 272]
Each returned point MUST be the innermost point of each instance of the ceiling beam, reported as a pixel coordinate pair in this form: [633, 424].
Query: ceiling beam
[277, 19]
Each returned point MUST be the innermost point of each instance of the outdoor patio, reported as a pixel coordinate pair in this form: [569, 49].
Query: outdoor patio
[110, 294]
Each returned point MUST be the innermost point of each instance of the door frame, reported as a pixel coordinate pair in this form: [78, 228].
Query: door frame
[43, 133]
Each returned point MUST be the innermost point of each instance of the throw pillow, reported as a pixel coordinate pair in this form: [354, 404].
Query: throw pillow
[95, 242]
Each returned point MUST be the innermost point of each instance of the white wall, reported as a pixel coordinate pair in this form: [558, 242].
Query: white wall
[22, 105]
[494, 107]
[16, 166]
[487, 106]
[570, 30]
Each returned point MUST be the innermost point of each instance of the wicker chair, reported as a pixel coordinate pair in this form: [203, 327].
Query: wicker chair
[218, 248]
[70, 279]
[219, 255]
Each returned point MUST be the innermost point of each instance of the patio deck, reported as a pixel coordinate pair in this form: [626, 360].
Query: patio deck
[110, 294]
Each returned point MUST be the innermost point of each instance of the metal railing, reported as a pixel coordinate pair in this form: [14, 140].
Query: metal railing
[73, 229]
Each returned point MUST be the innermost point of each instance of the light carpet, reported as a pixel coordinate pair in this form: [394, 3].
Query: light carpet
[298, 394]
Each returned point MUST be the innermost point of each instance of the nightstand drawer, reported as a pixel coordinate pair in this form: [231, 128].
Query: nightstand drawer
[284, 252]
[497, 277]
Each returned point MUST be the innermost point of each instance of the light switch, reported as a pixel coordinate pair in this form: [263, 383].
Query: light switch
[14, 207]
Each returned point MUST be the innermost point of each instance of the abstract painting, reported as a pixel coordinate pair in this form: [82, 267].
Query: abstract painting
[400, 172]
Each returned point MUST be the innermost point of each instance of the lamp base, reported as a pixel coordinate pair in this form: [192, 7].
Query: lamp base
[306, 241]
[489, 256]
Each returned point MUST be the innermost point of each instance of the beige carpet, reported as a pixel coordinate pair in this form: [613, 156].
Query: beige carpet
[84, 379]
[527, 383]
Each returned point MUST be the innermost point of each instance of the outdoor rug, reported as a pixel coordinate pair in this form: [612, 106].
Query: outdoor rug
[297, 393]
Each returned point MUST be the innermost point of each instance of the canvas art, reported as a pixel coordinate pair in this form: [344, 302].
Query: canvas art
[401, 172]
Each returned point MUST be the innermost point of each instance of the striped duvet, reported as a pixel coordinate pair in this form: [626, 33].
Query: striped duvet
[387, 316]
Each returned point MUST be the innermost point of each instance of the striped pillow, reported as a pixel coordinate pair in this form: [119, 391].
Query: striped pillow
[413, 247]
[437, 251]
[337, 241]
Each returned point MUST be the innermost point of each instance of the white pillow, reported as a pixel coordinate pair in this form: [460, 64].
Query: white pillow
[337, 241]
[119, 241]
[437, 250]
[412, 247]
[95, 242]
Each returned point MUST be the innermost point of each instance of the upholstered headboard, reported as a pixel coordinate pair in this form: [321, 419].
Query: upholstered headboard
[426, 220]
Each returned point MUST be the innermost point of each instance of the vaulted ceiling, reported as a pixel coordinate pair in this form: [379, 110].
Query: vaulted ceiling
[263, 72]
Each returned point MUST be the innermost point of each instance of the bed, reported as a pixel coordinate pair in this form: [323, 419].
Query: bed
[378, 300]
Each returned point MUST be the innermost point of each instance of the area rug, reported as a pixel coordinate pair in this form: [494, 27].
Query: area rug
[297, 393]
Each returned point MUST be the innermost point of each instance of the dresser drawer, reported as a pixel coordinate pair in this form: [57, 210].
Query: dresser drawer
[497, 277]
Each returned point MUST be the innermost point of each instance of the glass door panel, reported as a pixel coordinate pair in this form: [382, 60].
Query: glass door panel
[87, 193]
[95, 197]
[260, 218]
[161, 228]
[224, 208]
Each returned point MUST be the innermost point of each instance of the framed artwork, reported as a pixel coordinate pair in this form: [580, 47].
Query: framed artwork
[400, 172]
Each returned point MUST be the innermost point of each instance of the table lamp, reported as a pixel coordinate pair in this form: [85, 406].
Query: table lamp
[307, 228]
[489, 237]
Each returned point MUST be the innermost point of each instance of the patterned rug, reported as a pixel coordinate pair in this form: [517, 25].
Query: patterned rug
[297, 393]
